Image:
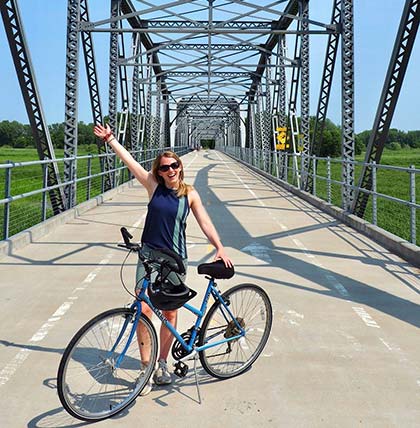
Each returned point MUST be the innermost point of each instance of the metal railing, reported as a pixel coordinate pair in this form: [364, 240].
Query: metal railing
[24, 188]
[393, 200]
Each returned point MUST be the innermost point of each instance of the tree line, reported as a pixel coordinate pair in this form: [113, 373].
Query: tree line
[17, 135]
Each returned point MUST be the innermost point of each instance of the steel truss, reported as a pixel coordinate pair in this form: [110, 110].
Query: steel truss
[347, 97]
[25, 73]
[324, 96]
[401, 53]
[186, 63]
[93, 85]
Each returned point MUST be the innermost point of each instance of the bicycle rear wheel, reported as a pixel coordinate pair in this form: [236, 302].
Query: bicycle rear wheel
[251, 307]
[92, 383]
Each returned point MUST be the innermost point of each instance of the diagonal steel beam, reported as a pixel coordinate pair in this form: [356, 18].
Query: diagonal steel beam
[397, 68]
[24, 70]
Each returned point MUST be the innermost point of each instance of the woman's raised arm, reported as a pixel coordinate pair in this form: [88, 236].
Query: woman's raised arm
[144, 177]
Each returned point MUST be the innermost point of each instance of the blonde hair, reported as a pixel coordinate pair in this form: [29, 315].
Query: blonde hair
[183, 188]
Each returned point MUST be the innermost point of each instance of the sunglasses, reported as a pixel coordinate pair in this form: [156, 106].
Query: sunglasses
[165, 168]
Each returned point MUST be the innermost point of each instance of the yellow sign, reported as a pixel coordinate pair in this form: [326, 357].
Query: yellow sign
[281, 137]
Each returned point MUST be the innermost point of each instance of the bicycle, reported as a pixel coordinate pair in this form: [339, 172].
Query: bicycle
[103, 370]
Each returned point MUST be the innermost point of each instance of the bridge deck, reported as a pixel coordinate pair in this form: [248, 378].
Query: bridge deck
[344, 348]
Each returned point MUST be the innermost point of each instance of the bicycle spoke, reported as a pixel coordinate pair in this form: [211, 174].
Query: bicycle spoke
[251, 309]
[90, 385]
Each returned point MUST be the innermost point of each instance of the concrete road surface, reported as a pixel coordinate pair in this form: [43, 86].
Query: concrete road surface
[345, 345]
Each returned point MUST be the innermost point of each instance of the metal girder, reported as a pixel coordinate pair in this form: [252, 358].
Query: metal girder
[157, 140]
[113, 68]
[166, 127]
[397, 68]
[148, 107]
[206, 26]
[304, 100]
[71, 101]
[347, 110]
[326, 82]
[135, 99]
[128, 10]
[93, 87]
[204, 46]
[283, 23]
[279, 92]
[225, 74]
[324, 96]
[221, 30]
[26, 77]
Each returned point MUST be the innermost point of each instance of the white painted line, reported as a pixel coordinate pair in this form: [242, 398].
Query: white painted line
[62, 309]
[389, 347]
[298, 243]
[366, 318]
[242, 182]
[11, 367]
[90, 277]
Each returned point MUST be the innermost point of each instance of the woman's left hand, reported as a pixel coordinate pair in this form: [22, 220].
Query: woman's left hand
[102, 131]
[220, 254]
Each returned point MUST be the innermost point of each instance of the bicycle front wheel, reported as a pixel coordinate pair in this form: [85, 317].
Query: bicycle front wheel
[96, 378]
[251, 307]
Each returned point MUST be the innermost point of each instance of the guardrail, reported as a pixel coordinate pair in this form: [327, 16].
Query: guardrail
[24, 186]
[393, 200]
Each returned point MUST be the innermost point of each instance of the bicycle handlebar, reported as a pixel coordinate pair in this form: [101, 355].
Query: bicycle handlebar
[177, 267]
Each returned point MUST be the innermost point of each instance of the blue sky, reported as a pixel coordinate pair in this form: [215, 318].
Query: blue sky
[376, 25]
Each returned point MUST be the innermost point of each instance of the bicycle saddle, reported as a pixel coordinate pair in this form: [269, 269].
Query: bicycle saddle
[216, 270]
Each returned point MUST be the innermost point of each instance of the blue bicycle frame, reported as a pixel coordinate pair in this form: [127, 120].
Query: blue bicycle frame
[187, 345]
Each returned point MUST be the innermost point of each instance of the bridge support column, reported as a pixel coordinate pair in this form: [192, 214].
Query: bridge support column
[347, 84]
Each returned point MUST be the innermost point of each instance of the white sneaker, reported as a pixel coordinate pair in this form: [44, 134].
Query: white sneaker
[148, 387]
[162, 375]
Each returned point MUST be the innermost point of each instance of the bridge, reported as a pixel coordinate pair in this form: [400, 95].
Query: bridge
[344, 348]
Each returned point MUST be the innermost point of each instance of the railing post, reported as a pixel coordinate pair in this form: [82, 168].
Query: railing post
[329, 179]
[7, 184]
[314, 175]
[89, 173]
[44, 192]
[301, 184]
[374, 195]
[114, 181]
[413, 230]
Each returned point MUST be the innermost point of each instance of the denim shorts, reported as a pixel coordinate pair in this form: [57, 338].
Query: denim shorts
[175, 278]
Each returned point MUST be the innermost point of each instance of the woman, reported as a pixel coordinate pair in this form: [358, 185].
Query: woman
[171, 200]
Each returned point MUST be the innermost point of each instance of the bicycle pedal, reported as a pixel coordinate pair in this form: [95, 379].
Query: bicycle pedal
[181, 369]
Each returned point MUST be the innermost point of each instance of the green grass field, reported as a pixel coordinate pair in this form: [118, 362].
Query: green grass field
[26, 212]
[391, 216]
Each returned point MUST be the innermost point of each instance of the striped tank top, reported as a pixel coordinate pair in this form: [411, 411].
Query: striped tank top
[166, 221]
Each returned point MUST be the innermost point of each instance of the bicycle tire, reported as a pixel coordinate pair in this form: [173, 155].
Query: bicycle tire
[251, 307]
[89, 386]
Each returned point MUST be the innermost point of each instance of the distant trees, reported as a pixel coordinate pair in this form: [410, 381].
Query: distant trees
[18, 135]
[331, 140]
[396, 139]
[15, 134]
